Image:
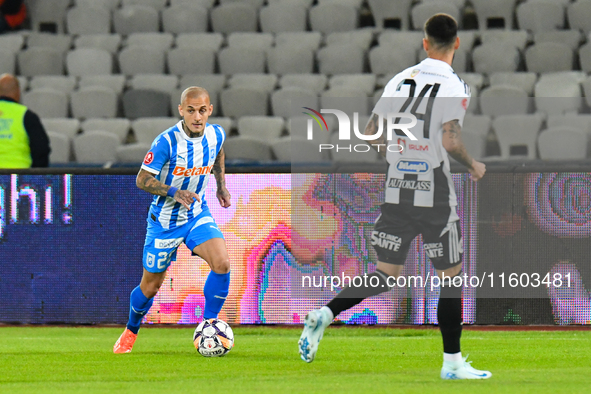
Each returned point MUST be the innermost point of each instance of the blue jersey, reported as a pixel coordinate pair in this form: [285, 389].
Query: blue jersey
[185, 163]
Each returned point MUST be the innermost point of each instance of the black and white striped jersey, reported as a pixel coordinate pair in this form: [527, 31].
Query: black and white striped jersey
[419, 175]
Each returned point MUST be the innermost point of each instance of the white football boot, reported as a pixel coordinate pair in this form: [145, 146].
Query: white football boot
[462, 370]
[314, 324]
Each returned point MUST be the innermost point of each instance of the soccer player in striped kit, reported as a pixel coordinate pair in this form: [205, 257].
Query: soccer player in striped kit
[420, 196]
[176, 170]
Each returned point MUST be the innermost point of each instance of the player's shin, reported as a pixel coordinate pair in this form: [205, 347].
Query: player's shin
[139, 306]
[351, 296]
[449, 315]
[215, 292]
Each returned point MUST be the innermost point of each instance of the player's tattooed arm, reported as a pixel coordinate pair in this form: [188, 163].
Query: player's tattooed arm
[371, 129]
[147, 182]
[219, 171]
[452, 142]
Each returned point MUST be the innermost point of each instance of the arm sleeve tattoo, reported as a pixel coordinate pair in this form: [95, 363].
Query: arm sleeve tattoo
[458, 150]
[147, 182]
[219, 168]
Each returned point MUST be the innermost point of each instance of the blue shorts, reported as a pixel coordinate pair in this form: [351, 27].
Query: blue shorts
[161, 244]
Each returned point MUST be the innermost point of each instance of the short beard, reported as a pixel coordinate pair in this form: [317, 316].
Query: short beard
[190, 133]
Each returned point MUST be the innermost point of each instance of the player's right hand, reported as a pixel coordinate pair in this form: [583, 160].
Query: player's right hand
[186, 197]
[477, 171]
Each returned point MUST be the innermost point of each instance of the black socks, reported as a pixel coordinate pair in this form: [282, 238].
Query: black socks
[449, 315]
[351, 296]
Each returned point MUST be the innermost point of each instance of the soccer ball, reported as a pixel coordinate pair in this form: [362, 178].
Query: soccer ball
[213, 338]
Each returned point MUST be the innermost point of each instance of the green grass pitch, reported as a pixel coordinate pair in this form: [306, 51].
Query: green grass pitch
[265, 360]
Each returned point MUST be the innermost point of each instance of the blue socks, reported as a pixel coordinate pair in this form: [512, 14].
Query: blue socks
[215, 292]
[139, 306]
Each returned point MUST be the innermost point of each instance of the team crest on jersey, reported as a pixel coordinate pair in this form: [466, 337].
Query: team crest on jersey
[212, 153]
[413, 166]
[414, 72]
[149, 158]
[465, 104]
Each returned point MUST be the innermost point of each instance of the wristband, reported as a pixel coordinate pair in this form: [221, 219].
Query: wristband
[171, 191]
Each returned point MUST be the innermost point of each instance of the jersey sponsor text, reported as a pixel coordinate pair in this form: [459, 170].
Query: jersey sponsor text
[409, 184]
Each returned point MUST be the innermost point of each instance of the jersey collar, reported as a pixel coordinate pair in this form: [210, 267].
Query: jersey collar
[436, 63]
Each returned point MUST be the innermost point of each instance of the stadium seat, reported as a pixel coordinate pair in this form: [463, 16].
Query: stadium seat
[231, 17]
[256, 41]
[145, 103]
[255, 3]
[559, 93]
[264, 128]
[108, 42]
[364, 83]
[490, 12]
[211, 41]
[238, 60]
[346, 100]
[118, 126]
[586, 84]
[185, 19]
[578, 16]
[46, 102]
[115, 82]
[288, 150]
[68, 127]
[11, 42]
[48, 16]
[89, 61]
[304, 3]
[110, 5]
[287, 102]
[62, 83]
[314, 82]
[334, 16]
[360, 37]
[156, 40]
[475, 143]
[523, 80]
[307, 39]
[89, 20]
[136, 19]
[238, 102]
[398, 39]
[184, 61]
[353, 3]
[341, 59]
[147, 129]
[286, 60]
[585, 57]
[387, 10]
[282, 17]
[60, 148]
[562, 143]
[94, 102]
[517, 130]
[132, 153]
[538, 16]
[367, 155]
[157, 4]
[211, 82]
[298, 128]
[264, 82]
[383, 60]
[572, 38]
[141, 60]
[247, 148]
[96, 147]
[576, 121]
[495, 56]
[158, 82]
[421, 12]
[478, 124]
[203, 3]
[504, 100]
[519, 38]
[226, 123]
[7, 61]
[58, 42]
[549, 57]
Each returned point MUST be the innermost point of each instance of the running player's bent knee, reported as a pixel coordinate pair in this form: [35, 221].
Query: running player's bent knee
[220, 266]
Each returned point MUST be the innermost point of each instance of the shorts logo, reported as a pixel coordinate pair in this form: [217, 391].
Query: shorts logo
[434, 250]
[413, 167]
[149, 158]
[386, 241]
[167, 243]
[410, 185]
[182, 171]
[150, 260]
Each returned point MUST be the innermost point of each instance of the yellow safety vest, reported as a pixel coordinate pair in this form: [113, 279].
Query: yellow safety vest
[14, 140]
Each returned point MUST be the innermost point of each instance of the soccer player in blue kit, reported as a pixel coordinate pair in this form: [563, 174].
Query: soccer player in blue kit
[176, 170]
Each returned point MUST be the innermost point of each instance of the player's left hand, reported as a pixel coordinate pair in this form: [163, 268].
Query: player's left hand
[223, 196]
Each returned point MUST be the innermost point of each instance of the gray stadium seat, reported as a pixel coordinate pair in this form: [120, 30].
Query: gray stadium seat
[341, 59]
[157, 4]
[211, 82]
[519, 38]
[110, 5]
[585, 57]
[287, 102]
[136, 19]
[255, 3]
[578, 16]
[538, 16]
[132, 153]
[314, 82]
[576, 121]
[108, 42]
[119, 126]
[145, 103]
[185, 19]
[548, 57]
[303, 3]
[238, 60]
[96, 147]
[48, 16]
[562, 143]
[491, 11]
[300, 39]
[364, 83]
[559, 93]
[211, 41]
[523, 80]
[256, 41]
[89, 61]
[479, 124]
[68, 127]
[421, 12]
[328, 18]
[89, 20]
[286, 60]
[388, 10]
[12, 42]
[586, 84]
[158, 82]
[237, 102]
[517, 130]
[47, 102]
[495, 56]
[141, 60]
[504, 100]
[572, 38]
[228, 18]
[58, 42]
[62, 83]
[383, 60]
[115, 82]
[203, 3]
[246, 148]
[346, 100]
[94, 102]
[264, 82]
[182, 61]
[475, 143]
[147, 129]
[226, 123]
[156, 40]
[264, 128]
[397, 39]
[360, 37]
[7, 61]
[60, 148]
[282, 17]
